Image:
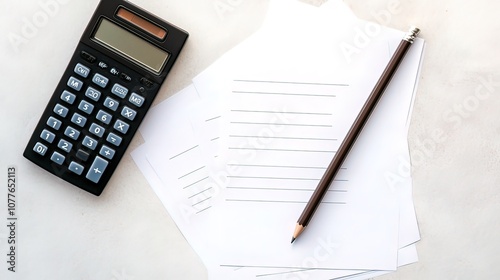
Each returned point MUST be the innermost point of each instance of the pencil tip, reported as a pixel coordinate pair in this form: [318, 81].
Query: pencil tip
[293, 239]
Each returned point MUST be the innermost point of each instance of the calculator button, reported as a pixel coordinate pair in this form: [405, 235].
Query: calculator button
[61, 110]
[86, 107]
[111, 103]
[146, 82]
[136, 99]
[81, 154]
[100, 80]
[119, 90]
[104, 117]
[40, 148]
[89, 142]
[68, 97]
[78, 119]
[93, 94]
[114, 139]
[76, 168]
[121, 126]
[96, 130]
[88, 57]
[54, 123]
[128, 113]
[107, 152]
[47, 136]
[96, 169]
[125, 77]
[65, 145]
[72, 133]
[57, 158]
[82, 70]
[75, 84]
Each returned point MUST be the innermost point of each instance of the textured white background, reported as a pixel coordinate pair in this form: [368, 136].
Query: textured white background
[65, 233]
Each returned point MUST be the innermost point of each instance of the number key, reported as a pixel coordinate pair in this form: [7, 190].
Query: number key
[54, 123]
[65, 145]
[93, 94]
[61, 110]
[104, 117]
[89, 142]
[86, 107]
[68, 97]
[72, 133]
[97, 130]
[47, 136]
[111, 103]
[40, 148]
[78, 120]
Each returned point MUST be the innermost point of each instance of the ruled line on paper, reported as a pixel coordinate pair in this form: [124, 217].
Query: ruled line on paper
[285, 93]
[282, 150]
[281, 201]
[194, 183]
[281, 112]
[291, 82]
[191, 172]
[192, 148]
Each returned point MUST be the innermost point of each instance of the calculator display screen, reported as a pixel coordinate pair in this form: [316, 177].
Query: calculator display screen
[130, 45]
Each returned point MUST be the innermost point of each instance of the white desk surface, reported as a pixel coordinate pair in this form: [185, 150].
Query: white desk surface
[65, 233]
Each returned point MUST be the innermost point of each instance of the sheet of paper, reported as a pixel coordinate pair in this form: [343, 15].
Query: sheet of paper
[206, 135]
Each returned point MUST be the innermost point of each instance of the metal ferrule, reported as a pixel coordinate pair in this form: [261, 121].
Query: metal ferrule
[412, 34]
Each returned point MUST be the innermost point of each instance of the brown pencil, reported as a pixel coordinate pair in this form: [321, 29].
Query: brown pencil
[353, 132]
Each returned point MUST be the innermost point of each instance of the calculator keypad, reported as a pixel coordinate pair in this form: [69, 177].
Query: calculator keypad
[88, 123]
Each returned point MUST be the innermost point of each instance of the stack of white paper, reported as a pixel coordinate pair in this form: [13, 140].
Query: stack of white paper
[235, 156]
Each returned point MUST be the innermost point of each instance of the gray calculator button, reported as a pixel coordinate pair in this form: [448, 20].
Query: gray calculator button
[65, 145]
[76, 168]
[61, 110]
[128, 113]
[68, 97]
[75, 84]
[78, 119]
[96, 169]
[119, 90]
[89, 142]
[72, 133]
[111, 103]
[100, 80]
[86, 107]
[93, 94]
[107, 152]
[40, 148]
[57, 158]
[47, 136]
[83, 155]
[136, 99]
[121, 126]
[96, 130]
[114, 139]
[104, 117]
[82, 70]
[54, 123]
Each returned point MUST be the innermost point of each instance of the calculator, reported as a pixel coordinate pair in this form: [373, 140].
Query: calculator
[119, 64]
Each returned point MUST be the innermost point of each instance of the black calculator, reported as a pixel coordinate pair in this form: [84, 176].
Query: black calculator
[118, 67]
